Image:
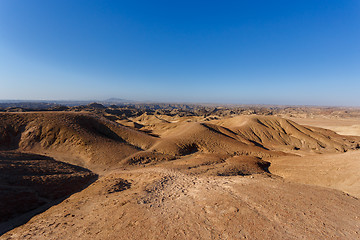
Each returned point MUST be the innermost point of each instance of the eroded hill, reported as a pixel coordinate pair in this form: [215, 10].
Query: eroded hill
[98, 143]
[178, 177]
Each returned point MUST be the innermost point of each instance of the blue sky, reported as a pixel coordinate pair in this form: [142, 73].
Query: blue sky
[245, 52]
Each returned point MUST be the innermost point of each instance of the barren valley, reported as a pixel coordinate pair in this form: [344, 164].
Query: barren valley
[179, 172]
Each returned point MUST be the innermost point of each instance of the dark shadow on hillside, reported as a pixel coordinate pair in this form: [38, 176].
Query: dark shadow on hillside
[97, 128]
[31, 183]
[10, 137]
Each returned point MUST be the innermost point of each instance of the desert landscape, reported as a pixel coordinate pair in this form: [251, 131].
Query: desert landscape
[176, 171]
[179, 120]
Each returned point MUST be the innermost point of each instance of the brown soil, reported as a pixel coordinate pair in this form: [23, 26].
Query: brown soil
[182, 177]
[161, 204]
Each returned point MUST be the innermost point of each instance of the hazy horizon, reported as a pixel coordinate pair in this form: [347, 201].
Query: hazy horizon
[132, 101]
[248, 52]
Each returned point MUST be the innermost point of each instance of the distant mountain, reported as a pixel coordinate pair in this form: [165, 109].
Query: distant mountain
[118, 100]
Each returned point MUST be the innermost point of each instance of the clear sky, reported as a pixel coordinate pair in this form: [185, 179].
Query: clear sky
[245, 52]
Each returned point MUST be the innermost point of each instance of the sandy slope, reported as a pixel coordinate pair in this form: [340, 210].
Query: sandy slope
[344, 126]
[95, 142]
[339, 171]
[283, 134]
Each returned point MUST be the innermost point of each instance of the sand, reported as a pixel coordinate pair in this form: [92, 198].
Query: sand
[193, 177]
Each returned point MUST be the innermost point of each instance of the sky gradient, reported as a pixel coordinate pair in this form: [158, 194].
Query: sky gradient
[242, 52]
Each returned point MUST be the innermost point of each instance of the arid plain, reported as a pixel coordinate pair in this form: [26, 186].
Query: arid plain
[180, 172]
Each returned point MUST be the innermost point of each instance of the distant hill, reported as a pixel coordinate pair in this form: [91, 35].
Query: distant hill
[45, 104]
